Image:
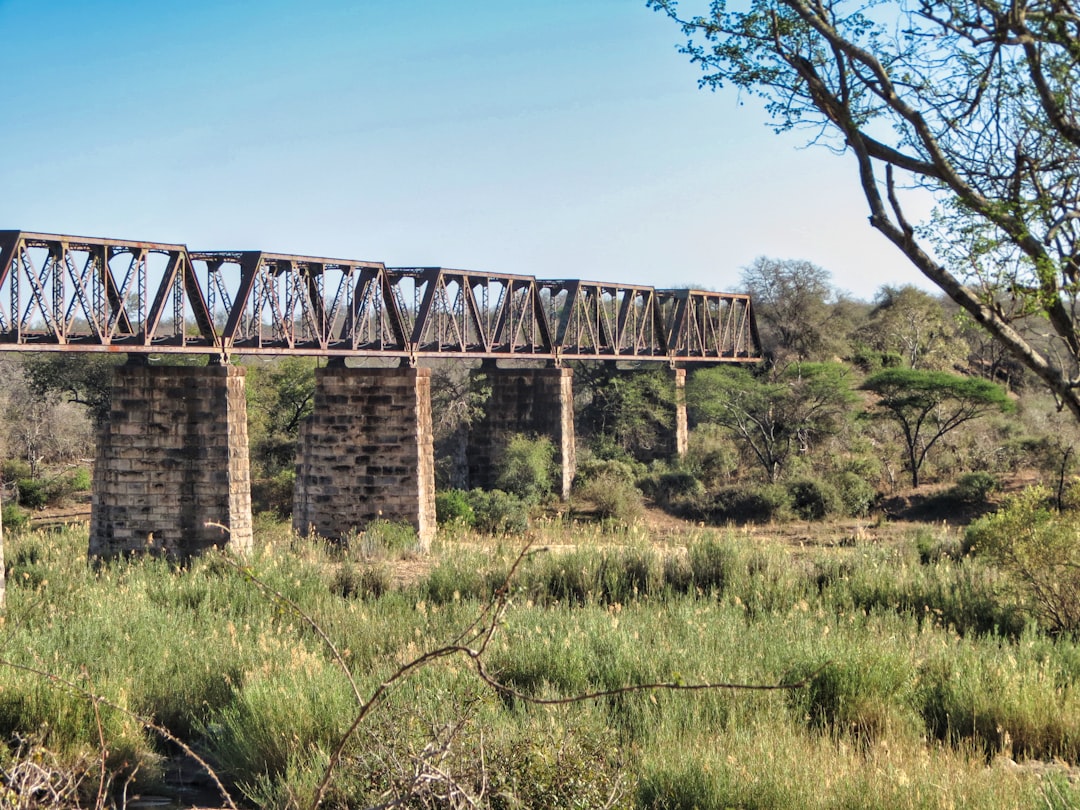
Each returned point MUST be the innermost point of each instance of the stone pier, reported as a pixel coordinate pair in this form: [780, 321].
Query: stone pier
[682, 428]
[171, 458]
[530, 401]
[366, 452]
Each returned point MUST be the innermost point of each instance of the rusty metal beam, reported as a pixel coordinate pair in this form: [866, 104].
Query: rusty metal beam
[257, 302]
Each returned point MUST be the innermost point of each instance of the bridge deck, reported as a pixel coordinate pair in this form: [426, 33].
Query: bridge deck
[71, 293]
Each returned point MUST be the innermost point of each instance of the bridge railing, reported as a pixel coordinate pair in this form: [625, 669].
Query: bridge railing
[90, 294]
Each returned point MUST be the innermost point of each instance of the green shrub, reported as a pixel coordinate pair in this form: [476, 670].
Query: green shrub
[865, 694]
[453, 507]
[498, 512]
[614, 499]
[673, 486]
[711, 455]
[814, 500]
[856, 493]
[80, 480]
[526, 467]
[974, 487]
[1039, 550]
[384, 536]
[609, 468]
[363, 582]
[762, 504]
[712, 565]
[12, 517]
[274, 494]
[33, 493]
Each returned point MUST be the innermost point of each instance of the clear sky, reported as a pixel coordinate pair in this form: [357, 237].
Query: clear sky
[561, 139]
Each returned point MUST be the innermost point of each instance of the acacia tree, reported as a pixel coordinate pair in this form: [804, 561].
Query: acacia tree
[928, 404]
[975, 101]
[774, 415]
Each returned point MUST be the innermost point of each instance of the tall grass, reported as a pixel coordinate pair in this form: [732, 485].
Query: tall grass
[920, 678]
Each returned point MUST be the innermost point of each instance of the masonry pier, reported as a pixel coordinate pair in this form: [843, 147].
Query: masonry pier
[366, 452]
[530, 401]
[172, 457]
[682, 427]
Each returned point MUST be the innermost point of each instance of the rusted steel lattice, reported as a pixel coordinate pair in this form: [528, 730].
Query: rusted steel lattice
[90, 294]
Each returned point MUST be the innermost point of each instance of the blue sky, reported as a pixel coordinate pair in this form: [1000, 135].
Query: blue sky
[562, 139]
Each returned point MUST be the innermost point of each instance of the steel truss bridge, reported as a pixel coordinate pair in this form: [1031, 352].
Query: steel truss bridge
[89, 294]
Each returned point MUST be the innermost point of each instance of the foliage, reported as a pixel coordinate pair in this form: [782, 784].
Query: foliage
[799, 314]
[974, 104]
[856, 493]
[33, 493]
[498, 512]
[1039, 549]
[526, 467]
[975, 487]
[914, 326]
[632, 411]
[749, 504]
[926, 405]
[280, 395]
[776, 415]
[813, 499]
[453, 508]
[85, 379]
[13, 517]
[613, 498]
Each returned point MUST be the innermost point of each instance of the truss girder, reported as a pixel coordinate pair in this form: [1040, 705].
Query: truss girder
[85, 293]
[88, 294]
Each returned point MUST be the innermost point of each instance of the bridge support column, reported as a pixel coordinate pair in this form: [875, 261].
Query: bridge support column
[172, 456]
[366, 452]
[682, 427]
[532, 401]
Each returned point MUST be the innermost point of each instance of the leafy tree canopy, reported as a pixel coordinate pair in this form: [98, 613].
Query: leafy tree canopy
[798, 311]
[974, 101]
[928, 404]
[776, 414]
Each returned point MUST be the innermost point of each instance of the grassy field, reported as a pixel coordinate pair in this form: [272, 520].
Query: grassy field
[923, 683]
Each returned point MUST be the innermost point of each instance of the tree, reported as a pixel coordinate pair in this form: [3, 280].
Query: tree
[83, 378]
[280, 395]
[973, 101]
[911, 323]
[928, 404]
[772, 415]
[632, 413]
[799, 314]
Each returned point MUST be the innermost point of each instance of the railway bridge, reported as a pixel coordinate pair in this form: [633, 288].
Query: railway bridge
[171, 475]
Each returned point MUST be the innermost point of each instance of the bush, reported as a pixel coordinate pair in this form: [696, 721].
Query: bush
[751, 504]
[274, 494]
[614, 498]
[856, 493]
[527, 468]
[33, 493]
[610, 468]
[814, 500]
[498, 512]
[12, 517]
[974, 487]
[80, 480]
[453, 507]
[384, 536]
[1039, 550]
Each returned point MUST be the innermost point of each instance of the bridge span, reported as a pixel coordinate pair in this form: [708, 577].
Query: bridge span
[89, 294]
[172, 457]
